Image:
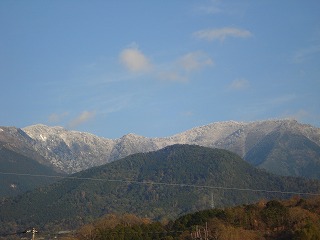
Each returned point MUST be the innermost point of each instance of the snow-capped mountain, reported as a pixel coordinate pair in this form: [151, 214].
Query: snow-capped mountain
[72, 151]
[69, 151]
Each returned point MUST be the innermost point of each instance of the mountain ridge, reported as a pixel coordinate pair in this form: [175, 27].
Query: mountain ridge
[73, 151]
[238, 137]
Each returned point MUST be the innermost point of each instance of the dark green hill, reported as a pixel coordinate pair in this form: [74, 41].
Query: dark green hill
[125, 186]
[287, 153]
[18, 156]
[14, 162]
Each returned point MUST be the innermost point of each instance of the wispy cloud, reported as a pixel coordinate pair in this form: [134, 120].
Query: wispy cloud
[211, 7]
[239, 84]
[178, 70]
[187, 114]
[82, 118]
[286, 98]
[134, 60]
[222, 33]
[173, 75]
[299, 115]
[194, 61]
[57, 117]
[117, 103]
[269, 107]
[181, 69]
[303, 54]
[303, 115]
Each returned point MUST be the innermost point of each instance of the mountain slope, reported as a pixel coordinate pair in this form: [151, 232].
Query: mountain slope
[17, 182]
[160, 184]
[287, 153]
[17, 140]
[18, 156]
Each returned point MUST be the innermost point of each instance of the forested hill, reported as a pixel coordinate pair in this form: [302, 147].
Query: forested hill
[15, 184]
[160, 185]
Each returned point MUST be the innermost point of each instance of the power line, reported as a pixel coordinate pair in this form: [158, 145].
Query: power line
[163, 184]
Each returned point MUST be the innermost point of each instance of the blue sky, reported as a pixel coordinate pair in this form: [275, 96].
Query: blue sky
[156, 68]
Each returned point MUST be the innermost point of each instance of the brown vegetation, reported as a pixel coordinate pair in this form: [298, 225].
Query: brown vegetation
[295, 218]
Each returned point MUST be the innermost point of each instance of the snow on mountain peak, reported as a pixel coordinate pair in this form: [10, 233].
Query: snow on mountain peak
[72, 151]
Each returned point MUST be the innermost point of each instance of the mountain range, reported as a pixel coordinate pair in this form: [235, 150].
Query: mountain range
[284, 147]
[259, 142]
[159, 185]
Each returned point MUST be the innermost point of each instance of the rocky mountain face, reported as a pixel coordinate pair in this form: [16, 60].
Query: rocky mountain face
[71, 151]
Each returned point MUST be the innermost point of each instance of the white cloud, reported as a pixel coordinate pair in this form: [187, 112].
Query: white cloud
[82, 118]
[222, 33]
[194, 61]
[239, 84]
[178, 70]
[134, 60]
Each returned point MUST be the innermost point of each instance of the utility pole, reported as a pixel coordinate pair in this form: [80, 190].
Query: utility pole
[212, 203]
[206, 232]
[33, 231]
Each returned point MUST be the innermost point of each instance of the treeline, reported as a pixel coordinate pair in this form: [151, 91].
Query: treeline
[295, 219]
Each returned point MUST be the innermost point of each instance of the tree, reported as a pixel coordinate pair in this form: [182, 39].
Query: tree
[275, 214]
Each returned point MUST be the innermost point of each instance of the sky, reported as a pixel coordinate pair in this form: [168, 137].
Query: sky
[157, 68]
